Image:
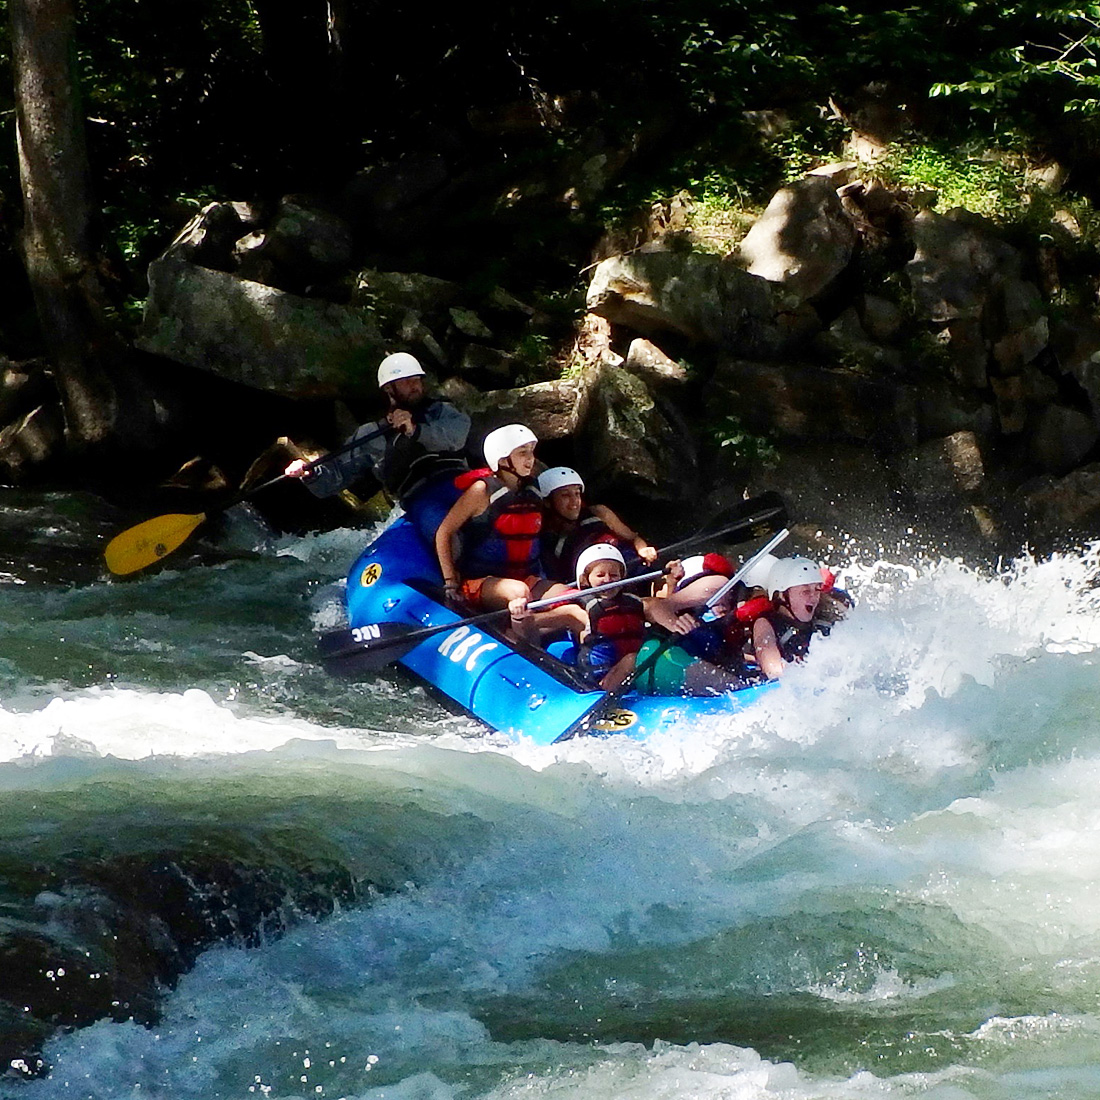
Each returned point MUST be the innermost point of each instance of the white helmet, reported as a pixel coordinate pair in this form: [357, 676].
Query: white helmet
[399, 365]
[756, 576]
[501, 442]
[790, 572]
[693, 567]
[558, 477]
[601, 551]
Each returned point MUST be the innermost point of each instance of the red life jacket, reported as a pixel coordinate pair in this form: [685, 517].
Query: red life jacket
[465, 479]
[504, 540]
[738, 626]
[618, 618]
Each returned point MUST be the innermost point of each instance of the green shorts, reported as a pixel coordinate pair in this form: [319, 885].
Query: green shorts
[665, 676]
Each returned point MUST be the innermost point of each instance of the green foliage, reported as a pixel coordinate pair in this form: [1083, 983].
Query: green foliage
[995, 184]
[534, 349]
[983, 184]
[200, 98]
[810, 145]
[1050, 61]
[731, 437]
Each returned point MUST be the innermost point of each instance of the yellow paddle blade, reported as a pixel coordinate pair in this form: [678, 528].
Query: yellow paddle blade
[148, 542]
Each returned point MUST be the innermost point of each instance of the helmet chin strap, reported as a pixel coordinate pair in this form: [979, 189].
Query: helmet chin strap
[524, 479]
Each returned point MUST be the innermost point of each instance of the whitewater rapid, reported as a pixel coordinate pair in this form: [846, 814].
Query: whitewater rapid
[880, 882]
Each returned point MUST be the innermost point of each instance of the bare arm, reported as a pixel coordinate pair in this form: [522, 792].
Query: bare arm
[662, 612]
[766, 649]
[674, 574]
[472, 503]
[647, 553]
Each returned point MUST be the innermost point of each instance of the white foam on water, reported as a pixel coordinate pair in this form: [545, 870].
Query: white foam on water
[908, 826]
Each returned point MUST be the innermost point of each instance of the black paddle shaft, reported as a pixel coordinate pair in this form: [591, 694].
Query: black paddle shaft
[375, 645]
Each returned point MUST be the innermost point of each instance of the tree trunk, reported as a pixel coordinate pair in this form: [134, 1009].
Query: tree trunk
[55, 242]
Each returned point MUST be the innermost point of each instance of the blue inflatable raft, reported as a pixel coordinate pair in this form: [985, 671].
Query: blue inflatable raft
[517, 690]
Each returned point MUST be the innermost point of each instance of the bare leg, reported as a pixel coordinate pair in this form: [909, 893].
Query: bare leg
[616, 676]
[498, 592]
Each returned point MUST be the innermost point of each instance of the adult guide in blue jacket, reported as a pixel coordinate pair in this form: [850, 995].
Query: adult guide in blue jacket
[404, 463]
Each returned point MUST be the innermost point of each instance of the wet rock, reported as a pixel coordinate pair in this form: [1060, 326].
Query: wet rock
[705, 298]
[649, 363]
[1062, 438]
[23, 387]
[802, 401]
[942, 470]
[31, 441]
[942, 409]
[804, 239]
[1069, 504]
[104, 938]
[833, 489]
[631, 444]
[257, 335]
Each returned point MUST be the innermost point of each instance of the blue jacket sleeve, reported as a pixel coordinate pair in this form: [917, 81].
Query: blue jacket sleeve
[444, 428]
[333, 474]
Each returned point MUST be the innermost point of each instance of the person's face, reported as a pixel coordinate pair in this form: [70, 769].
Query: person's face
[522, 460]
[604, 571]
[567, 502]
[406, 392]
[803, 600]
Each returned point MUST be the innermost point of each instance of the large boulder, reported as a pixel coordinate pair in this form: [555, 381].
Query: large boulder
[1075, 341]
[966, 282]
[649, 363]
[634, 445]
[31, 441]
[959, 261]
[1062, 437]
[552, 410]
[943, 469]
[1070, 503]
[210, 237]
[800, 401]
[624, 439]
[832, 489]
[707, 299]
[404, 290]
[313, 244]
[804, 239]
[255, 335]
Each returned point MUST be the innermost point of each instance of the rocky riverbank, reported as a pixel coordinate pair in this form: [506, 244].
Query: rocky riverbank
[858, 350]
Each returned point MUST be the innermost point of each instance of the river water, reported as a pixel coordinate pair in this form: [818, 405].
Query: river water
[881, 882]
